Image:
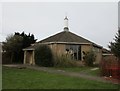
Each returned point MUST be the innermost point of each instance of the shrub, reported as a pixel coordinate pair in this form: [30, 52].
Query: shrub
[65, 61]
[6, 58]
[43, 56]
[89, 58]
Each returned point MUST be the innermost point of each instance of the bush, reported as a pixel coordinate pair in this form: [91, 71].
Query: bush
[43, 56]
[89, 58]
[6, 58]
[65, 61]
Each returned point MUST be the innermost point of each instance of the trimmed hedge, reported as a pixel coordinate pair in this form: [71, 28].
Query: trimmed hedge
[43, 56]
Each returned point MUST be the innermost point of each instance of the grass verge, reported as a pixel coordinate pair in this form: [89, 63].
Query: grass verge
[14, 78]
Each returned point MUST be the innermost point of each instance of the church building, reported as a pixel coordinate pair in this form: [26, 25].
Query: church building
[65, 42]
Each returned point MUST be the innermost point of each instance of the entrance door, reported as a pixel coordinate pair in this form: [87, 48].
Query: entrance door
[29, 57]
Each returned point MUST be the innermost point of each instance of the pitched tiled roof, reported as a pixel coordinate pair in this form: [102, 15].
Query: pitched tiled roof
[65, 36]
[104, 50]
[32, 47]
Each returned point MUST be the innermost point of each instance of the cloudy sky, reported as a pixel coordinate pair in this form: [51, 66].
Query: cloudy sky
[95, 21]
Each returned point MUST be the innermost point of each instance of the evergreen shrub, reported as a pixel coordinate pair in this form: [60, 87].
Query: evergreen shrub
[43, 56]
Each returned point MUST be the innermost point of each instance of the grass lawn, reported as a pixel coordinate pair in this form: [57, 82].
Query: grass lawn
[84, 69]
[14, 78]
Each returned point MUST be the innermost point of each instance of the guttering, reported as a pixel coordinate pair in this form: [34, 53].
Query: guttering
[73, 43]
[65, 43]
[30, 49]
[105, 54]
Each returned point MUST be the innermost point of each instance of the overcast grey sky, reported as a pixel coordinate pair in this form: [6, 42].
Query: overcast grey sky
[95, 21]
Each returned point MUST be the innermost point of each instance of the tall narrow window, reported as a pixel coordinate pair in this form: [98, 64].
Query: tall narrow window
[79, 53]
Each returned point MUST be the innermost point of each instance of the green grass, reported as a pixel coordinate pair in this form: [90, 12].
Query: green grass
[75, 69]
[94, 72]
[85, 69]
[14, 78]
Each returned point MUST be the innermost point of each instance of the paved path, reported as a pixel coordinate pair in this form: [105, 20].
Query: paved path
[62, 72]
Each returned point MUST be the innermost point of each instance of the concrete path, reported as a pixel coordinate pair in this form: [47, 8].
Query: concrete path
[62, 72]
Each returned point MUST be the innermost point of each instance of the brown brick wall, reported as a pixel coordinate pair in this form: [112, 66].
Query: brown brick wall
[59, 49]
